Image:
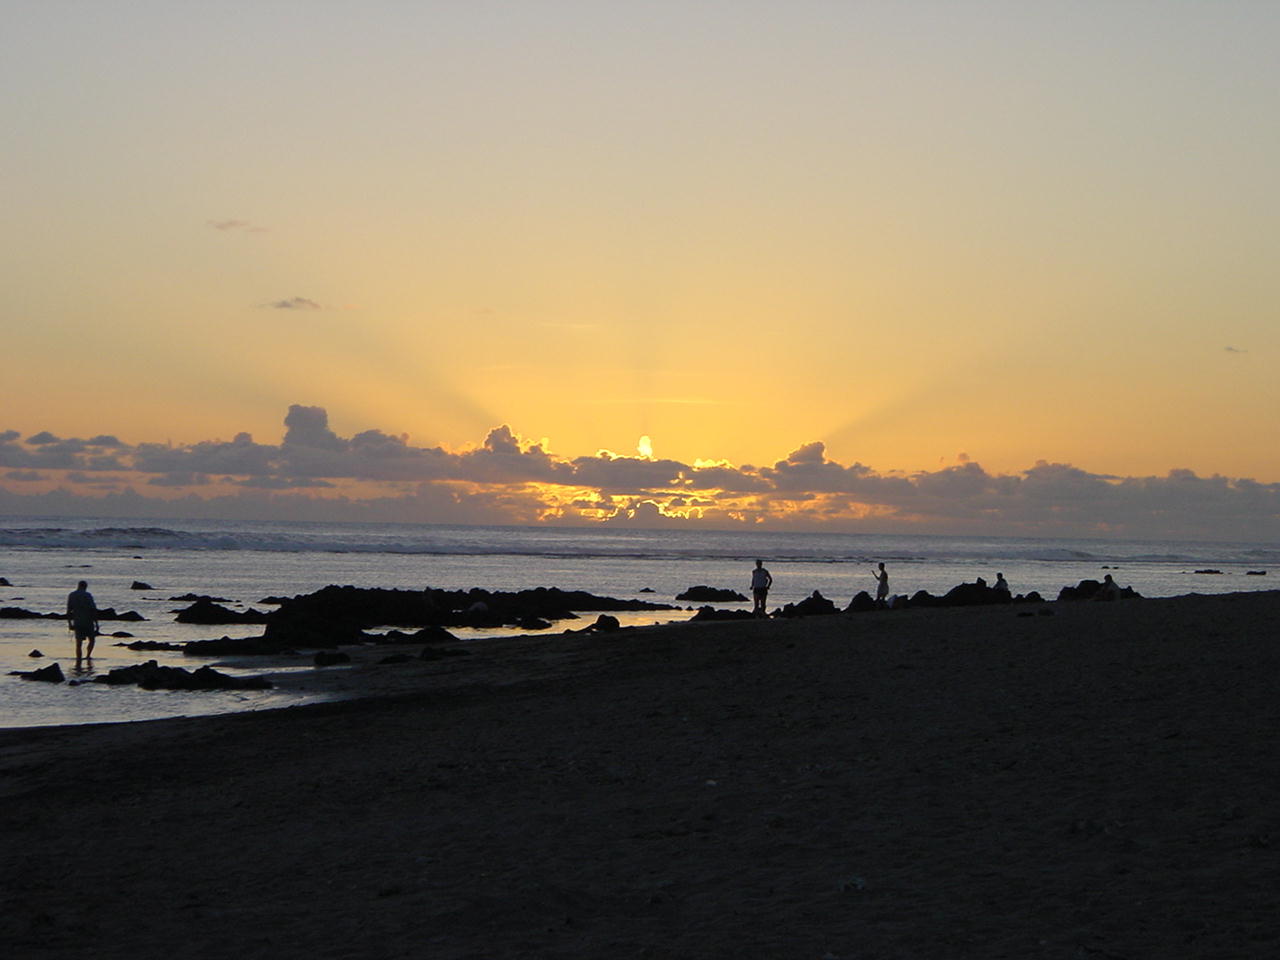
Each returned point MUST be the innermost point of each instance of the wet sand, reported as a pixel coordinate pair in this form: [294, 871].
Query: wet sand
[1102, 782]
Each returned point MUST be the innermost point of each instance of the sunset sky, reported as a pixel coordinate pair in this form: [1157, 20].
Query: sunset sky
[858, 264]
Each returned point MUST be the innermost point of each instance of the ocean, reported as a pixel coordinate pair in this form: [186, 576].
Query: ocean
[243, 562]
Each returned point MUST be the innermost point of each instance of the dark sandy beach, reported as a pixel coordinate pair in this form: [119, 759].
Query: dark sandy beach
[1100, 782]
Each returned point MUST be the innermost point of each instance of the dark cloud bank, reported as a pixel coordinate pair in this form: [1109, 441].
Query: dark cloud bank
[314, 473]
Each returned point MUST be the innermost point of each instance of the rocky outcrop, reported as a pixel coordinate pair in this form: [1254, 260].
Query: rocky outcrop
[205, 611]
[706, 614]
[152, 676]
[811, 606]
[140, 585]
[17, 613]
[1094, 590]
[339, 615]
[50, 674]
[705, 594]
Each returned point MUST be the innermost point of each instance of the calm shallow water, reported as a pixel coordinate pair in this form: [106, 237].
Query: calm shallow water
[43, 558]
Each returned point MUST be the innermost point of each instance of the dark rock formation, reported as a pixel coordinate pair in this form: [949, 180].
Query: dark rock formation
[193, 597]
[1255, 573]
[976, 594]
[152, 676]
[234, 647]
[50, 674]
[17, 613]
[122, 635]
[861, 603]
[534, 623]
[1215, 572]
[338, 615]
[5, 583]
[150, 645]
[35, 653]
[706, 614]
[1093, 590]
[139, 585]
[813, 605]
[207, 612]
[605, 623]
[705, 594]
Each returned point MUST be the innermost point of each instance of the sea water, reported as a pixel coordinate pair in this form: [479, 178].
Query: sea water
[245, 562]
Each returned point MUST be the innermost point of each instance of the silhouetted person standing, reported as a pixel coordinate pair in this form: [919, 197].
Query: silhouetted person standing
[82, 617]
[761, 581]
[882, 583]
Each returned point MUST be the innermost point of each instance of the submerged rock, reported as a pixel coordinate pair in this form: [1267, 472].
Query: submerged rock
[50, 674]
[705, 594]
[140, 585]
[205, 611]
[152, 676]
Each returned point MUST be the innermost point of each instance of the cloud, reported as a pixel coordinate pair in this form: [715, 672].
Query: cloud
[241, 226]
[294, 303]
[1234, 350]
[508, 478]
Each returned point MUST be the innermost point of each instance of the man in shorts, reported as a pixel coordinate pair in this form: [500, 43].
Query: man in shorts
[82, 617]
[761, 581]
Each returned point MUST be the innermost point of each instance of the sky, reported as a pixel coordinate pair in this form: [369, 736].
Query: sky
[964, 249]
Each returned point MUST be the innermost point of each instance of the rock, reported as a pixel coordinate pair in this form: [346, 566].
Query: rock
[122, 635]
[705, 614]
[205, 611]
[1255, 573]
[534, 623]
[1093, 590]
[139, 585]
[705, 594]
[861, 603]
[605, 623]
[35, 653]
[325, 658]
[1214, 572]
[5, 583]
[110, 614]
[813, 605]
[152, 676]
[338, 615]
[232, 646]
[50, 674]
[976, 594]
[193, 597]
[647, 590]
[149, 644]
[17, 613]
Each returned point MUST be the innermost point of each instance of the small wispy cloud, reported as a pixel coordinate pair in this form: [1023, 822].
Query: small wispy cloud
[242, 226]
[1230, 349]
[293, 303]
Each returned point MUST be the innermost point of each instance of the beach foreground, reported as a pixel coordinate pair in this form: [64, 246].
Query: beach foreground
[1099, 782]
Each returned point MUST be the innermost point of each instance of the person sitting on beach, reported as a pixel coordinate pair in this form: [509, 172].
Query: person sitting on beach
[882, 583]
[1001, 585]
[761, 581]
[82, 617]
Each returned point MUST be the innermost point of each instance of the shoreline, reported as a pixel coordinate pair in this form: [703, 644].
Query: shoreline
[960, 782]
